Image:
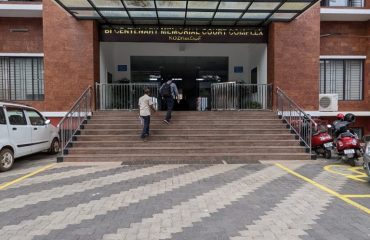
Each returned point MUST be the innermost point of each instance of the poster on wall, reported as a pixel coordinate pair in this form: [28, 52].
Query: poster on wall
[188, 34]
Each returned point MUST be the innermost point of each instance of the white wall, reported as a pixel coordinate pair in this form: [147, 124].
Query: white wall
[247, 55]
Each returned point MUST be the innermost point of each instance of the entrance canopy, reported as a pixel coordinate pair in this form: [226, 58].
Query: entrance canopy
[172, 12]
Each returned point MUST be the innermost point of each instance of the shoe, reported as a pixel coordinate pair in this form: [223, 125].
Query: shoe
[165, 121]
[144, 139]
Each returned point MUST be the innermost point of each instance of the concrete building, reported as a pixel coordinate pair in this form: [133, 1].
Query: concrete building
[51, 51]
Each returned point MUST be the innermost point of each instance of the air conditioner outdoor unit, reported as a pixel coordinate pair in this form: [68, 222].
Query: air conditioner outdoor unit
[328, 102]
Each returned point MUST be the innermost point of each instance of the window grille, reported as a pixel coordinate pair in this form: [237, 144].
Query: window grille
[21, 78]
[344, 77]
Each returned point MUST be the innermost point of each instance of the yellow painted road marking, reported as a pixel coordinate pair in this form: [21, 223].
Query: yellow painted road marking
[328, 190]
[357, 177]
[357, 196]
[3, 186]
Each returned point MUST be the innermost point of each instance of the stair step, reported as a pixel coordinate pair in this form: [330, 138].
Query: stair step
[160, 132]
[192, 137]
[185, 150]
[182, 143]
[186, 122]
[137, 125]
[151, 158]
[187, 137]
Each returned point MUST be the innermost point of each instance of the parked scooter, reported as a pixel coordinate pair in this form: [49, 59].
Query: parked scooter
[347, 143]
[322, 142]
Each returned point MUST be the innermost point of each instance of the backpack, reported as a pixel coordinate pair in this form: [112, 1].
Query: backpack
[166, 90]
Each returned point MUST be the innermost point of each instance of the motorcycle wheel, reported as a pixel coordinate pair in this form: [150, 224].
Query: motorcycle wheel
[327, 154]
[352, 162]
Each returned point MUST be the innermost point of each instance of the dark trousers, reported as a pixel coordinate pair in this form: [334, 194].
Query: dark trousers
[169, 102]
[146, 120]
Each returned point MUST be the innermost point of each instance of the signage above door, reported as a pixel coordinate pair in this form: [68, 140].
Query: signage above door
[193, 34]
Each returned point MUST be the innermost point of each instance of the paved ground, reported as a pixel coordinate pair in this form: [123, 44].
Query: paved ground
[215, 202]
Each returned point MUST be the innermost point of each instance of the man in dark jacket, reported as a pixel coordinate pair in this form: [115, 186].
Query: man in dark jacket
[169, 92]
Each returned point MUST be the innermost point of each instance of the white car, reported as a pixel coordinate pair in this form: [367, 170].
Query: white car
[23, 131]
[367, 159]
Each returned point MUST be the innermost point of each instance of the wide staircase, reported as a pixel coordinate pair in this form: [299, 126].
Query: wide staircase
[192, 137]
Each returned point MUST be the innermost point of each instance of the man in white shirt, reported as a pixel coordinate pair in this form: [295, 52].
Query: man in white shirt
[145, 106]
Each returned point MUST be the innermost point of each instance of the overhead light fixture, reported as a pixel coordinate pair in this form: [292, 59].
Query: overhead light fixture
[200, 79]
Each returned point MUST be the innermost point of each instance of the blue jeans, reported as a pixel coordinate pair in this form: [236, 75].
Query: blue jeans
[169, 103]
[145, 132]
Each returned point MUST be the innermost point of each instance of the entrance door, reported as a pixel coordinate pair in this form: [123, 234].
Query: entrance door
[192, 75]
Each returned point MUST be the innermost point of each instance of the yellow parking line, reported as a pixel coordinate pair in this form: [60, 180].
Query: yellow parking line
[350, 176]
[357, 196]
[328, 190]
[3, 186]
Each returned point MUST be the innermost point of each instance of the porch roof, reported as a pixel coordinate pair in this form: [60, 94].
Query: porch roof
[185, 13]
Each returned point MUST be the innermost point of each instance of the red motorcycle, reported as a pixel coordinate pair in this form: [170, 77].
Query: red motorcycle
[322, 142]
[347, 143]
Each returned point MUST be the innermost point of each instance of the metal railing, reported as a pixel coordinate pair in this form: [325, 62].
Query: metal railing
[241, 96]
[343, 3]
[298, 121]
[72, 121]
[123, 96]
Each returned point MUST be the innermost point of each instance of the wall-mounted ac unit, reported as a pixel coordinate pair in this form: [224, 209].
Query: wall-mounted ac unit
[328, 102]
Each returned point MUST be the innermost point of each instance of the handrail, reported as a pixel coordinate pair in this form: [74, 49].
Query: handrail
[241, 96]
[72, 121]
[298, 121]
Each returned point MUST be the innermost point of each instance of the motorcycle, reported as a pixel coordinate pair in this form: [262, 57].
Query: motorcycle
[322, 142]
[347, 144]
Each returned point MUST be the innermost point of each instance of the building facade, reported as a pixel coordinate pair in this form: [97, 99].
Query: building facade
[48, 56]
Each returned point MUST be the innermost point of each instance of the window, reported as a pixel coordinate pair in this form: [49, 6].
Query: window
[2, 116]
[35, 118]
[16, 116]
[21, 78]
[344, 77]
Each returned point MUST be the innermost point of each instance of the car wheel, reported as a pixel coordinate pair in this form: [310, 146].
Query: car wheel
[55, 146]
[6, 159]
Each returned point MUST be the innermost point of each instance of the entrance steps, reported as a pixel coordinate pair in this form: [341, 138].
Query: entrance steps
[192, 137]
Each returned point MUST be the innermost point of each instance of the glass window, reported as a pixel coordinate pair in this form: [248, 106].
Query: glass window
[202, 4]
[264, 5]
[16, 116]
[35, 118]
[75, 3]
[294, 6]
[2, 116]
[21, 78]
[139, 4]
[234, 5]
[108, 3]
[344, 77]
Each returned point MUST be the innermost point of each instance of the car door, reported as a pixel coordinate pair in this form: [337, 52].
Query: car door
[40, 131]
[19, 131]
[4, 138]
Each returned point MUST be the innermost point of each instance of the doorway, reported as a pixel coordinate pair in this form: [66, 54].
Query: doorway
[193, 76]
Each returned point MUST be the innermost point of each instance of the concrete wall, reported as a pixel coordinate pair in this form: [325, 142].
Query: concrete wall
[247, 55]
